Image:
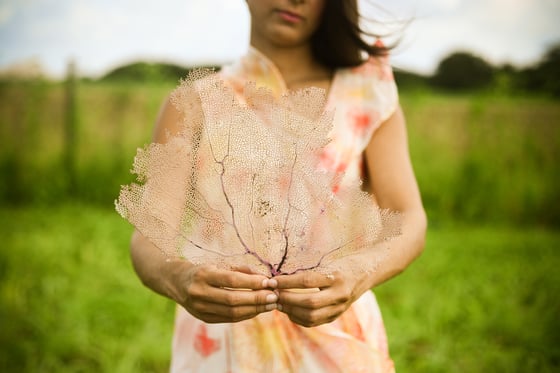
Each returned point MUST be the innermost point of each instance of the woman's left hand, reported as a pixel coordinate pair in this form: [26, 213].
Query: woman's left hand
[311, 299]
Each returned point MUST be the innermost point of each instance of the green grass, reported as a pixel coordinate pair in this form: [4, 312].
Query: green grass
[484, 157]
[113, 120]
[70, 301]
[480, 299]
[483, 297]
[478, 156]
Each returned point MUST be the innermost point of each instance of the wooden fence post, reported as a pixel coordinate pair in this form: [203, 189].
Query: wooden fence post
[70, 127]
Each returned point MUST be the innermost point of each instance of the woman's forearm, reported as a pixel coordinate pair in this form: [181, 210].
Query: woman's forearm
[404, 249]
[155, 270]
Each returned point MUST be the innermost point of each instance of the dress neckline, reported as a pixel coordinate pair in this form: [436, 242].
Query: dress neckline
[278, 86]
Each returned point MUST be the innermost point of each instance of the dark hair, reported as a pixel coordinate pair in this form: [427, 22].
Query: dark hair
[338, 41]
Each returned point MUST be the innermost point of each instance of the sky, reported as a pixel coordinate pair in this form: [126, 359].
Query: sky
[102, 34]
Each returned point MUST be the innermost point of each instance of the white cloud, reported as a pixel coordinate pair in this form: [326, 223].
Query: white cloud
[6, 12]
[446, 4]
[516, 31]
[102, 33]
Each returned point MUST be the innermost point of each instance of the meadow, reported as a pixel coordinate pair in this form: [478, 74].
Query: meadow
[483, 296]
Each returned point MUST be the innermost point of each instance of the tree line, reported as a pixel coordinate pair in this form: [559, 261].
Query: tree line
[459, 71]
[465, 71]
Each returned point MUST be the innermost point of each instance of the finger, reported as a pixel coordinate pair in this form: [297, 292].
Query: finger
[244, 269]
[233, 279]
[232, 298]
[304, 280]
[310, 318]
[315, 300]
[270, 282]
[222, 313]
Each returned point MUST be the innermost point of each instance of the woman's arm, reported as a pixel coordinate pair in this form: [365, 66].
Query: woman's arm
[210, 294]
[394, 186]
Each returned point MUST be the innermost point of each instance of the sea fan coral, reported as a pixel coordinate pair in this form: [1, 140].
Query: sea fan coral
[241, 184]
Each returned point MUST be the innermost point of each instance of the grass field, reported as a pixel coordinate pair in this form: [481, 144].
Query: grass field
[483, 297]
[480, 299]
[478, 157]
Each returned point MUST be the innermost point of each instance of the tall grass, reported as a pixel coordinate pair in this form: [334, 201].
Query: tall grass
[478, 157]
[486, 158]
[112, 121]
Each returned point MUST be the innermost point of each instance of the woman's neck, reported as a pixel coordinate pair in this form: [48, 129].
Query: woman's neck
[297, 65]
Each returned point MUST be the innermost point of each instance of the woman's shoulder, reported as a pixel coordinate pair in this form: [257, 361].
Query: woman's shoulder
[181, 111]
[370, 87]
[187, 94]
[375, 67]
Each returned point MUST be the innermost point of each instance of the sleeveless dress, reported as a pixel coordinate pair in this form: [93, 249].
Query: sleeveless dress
[362, 99]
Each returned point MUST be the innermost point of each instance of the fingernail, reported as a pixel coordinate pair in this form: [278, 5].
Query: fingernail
[271, 298]
[270, 307]
[272, 283]
[265, 283]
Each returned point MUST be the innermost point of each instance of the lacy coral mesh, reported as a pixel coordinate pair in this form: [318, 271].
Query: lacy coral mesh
[240, 185]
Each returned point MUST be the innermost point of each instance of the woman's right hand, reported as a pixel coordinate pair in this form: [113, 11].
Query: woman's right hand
[216, 295]
[210, 294]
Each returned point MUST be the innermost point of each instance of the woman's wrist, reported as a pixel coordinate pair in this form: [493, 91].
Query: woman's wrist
[156, 271]
[173, 273]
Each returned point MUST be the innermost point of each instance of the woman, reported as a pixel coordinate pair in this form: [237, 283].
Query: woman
[223, 327]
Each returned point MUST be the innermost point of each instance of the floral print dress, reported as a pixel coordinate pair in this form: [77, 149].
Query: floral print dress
[362, 99]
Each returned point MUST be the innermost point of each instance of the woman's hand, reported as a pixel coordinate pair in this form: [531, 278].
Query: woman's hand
[311, 299]
[209, 294]
[216, 296]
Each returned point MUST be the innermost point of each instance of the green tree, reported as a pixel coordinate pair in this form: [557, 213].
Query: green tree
[463, 71]
[145, 71]
[545, 76]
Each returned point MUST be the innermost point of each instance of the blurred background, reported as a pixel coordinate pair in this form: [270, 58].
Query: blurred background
[81, 83]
